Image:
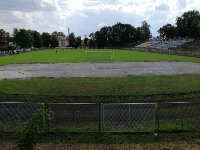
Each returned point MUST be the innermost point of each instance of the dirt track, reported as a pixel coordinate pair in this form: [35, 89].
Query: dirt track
[117, 69]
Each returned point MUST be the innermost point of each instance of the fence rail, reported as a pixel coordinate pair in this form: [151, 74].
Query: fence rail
[169, 51]
[108, 117]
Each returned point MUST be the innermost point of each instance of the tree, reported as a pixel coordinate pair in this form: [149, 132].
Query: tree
[54, 40]
[100, 40]
[46, 39]
[188, 25]
[58, 33]
[77, 41]
[86, 41]
[71, 40]
[22, 38]
[145, 31]
[116, 35]
[168, 31]
[137, 37]
[92, 40]
[37, 39]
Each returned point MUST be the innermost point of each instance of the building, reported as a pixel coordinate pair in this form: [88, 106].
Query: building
[4, 37]
[63, 41]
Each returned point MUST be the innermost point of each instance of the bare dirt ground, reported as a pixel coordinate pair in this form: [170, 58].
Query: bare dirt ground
[154, 146]
[117, 69]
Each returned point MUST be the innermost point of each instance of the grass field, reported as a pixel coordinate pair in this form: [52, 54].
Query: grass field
[103, 90]
[50, 56]
[118, 89]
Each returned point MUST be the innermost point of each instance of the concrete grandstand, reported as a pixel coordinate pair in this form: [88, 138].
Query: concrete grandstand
[164, 44]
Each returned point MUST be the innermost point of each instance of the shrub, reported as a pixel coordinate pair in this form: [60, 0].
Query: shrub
[28, 132]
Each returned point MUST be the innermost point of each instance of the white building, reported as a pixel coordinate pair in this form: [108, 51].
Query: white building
[63, 41]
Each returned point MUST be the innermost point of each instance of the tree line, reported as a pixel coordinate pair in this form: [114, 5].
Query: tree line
[186, 26]
[31, 38]
[108, 36]
[118, 35]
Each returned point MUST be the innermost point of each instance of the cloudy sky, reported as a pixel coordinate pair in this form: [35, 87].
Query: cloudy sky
[86, 16]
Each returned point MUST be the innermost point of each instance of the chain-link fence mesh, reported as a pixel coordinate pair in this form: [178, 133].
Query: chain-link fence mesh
[133, 117]
[11, 112]
[75, 117]
[128, 117]
[178, 116]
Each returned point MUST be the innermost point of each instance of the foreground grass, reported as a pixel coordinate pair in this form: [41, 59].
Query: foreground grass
[154, 146]
[113, 89]
[171, 141]
[50, 56]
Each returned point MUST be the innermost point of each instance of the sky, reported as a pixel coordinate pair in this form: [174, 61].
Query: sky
[86, 16]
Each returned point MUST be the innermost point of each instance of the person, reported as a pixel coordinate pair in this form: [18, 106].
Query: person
[56, 51]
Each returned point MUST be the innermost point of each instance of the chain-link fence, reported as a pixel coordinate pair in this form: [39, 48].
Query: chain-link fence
[11, 112]
[178, 116]
[112, 117]
[138, 117]
[75, 117]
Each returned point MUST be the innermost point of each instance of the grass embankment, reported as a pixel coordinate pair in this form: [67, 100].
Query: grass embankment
[168, 141]
[113, 89]
[50, 56]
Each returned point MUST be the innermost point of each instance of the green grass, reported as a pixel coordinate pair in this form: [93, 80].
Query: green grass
[183, 124]
[50, 56]
[112, 89]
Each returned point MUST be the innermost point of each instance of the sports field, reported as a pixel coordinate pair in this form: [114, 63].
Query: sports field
[92, 89]
[127, 89]
[50, 56]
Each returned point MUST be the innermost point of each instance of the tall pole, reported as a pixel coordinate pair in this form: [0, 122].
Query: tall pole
[68, 32]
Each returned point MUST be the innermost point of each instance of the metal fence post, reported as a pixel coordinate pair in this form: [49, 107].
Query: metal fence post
[129, 114]
[18, 112]
[157, 118]
[73, 113]
[100, 107]
[102, 117]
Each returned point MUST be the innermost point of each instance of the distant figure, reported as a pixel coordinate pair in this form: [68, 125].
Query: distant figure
[56, 51]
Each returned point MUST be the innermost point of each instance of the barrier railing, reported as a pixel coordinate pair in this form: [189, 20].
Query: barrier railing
[108, 117]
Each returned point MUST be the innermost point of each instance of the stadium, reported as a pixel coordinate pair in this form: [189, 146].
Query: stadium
[122, 87]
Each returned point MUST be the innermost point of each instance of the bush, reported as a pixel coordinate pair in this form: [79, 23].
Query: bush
[28, 132]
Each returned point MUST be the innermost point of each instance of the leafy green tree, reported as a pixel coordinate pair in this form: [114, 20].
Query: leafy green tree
[92, 40]
[86, 41]
[168, 31]
[100, 39]
[54, 40]
[46, 39]
[145, 31]
[77, 41]
[22, 38]
[120, 35]
[58, 33]
[188, 25]
[37, 39]
[117, 34]
[71, 40]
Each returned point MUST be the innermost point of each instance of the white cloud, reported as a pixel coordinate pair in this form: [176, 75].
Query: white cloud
[102, 24]
[84, 16]
[23, 16]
